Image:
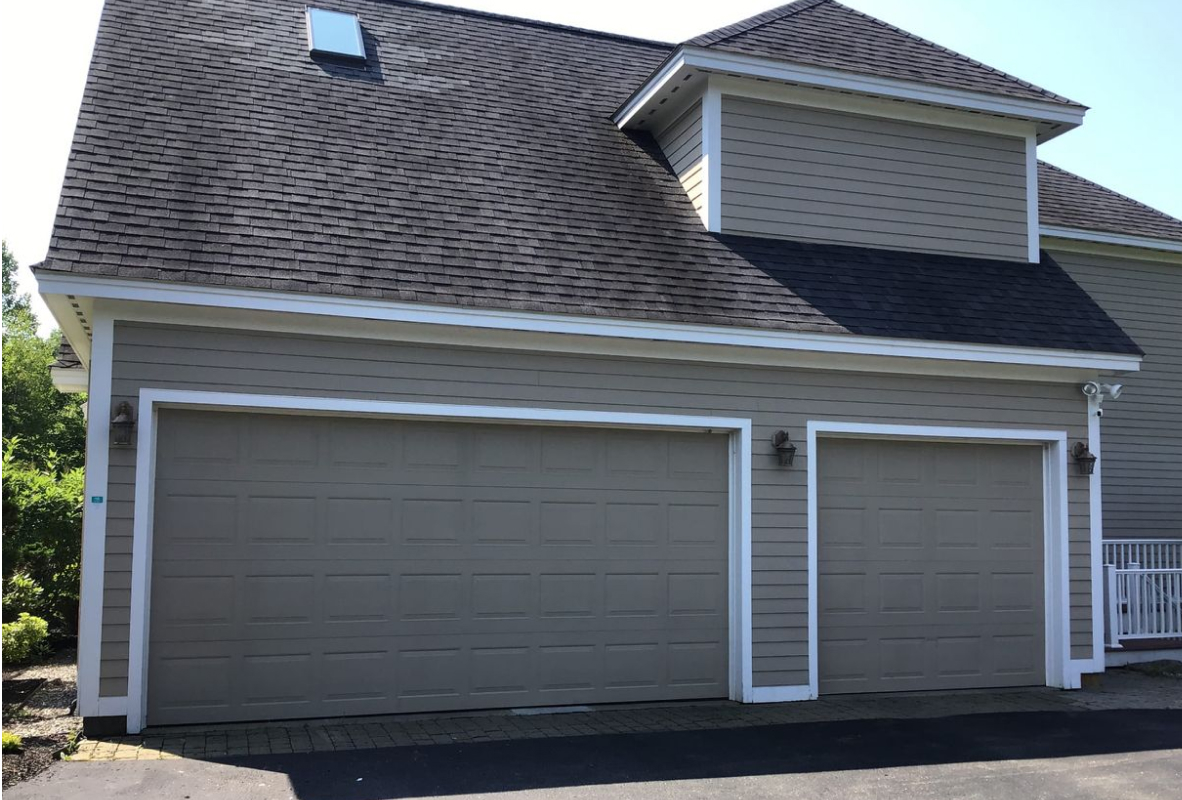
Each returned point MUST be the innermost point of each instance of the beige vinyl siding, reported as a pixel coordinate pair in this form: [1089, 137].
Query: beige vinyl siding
[681, 143]
[1141, 433]
[825, 176]
[774, 398]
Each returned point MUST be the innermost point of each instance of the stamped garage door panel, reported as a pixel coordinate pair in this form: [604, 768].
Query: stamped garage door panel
[930, 566]
[309, 566]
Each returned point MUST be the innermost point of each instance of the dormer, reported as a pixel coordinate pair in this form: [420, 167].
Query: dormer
[819, 123]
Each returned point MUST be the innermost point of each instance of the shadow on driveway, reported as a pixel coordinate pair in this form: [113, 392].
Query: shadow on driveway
[777, 749]
[780, 759]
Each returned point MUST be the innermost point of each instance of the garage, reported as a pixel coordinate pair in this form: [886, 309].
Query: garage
[319, 566]
[930, 565]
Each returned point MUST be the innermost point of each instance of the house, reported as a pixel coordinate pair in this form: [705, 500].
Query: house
[443, 360]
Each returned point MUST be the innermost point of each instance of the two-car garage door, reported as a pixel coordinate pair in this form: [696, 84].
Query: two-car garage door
[311, 566]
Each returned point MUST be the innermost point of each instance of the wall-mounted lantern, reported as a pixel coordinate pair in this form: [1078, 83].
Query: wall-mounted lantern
[122, 424]
[1085, 461]
[784, 448]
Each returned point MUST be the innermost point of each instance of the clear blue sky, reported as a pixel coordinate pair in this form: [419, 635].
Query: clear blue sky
[1122, 59]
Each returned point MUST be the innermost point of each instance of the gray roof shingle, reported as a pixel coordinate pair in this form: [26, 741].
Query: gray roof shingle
[65, 357]
[471, 162]
[824, 33]
[1068, 201]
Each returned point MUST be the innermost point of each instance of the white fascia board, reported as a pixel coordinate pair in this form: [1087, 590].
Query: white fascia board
[645, 94]
[765, 69]
[456, 316]
[69, 380]
[1115, 239]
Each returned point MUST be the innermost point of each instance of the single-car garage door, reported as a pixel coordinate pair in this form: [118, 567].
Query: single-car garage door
[930, 565]
[311, 566]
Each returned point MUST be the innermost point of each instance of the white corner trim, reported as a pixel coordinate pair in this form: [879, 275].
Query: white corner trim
[619, 328]
[151, 400]
[94, 518]
[703, 59]
[69, 380]
[1060, 670]
[1115, 239]
[712, 158]
[1096, 520]
[1032, 232]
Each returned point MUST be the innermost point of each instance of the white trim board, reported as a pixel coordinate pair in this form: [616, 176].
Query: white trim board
[151, 400]
[1063, 117]
[618, 328]
[69, 380]
[1032, 234]
[1061, 671]
[1096, 530]
[94, 518]
[1114, 239]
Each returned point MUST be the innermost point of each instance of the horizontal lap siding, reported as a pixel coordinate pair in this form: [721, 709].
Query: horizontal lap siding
[830, 177]
[681, 143]
[1141, 433]
[209, 360]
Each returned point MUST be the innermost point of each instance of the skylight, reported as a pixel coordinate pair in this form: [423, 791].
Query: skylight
[335, 33]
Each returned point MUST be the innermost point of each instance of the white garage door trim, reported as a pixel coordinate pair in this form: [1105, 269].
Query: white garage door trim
[1060, 670]
[151, 400]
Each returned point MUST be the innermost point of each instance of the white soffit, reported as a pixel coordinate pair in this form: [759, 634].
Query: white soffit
[647, 105]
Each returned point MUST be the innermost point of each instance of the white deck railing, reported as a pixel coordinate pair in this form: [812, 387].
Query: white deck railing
[1146, 553]
[1143, 589]
[1143, 603]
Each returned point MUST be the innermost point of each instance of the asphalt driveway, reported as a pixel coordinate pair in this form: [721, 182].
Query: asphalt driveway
[1076, 755]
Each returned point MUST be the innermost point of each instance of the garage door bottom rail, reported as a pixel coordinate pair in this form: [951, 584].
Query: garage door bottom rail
[361, 733]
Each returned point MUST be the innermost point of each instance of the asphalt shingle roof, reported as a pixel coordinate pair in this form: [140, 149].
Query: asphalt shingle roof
[824, 33]
[1068, 201]
[471, 162]
[65, 357]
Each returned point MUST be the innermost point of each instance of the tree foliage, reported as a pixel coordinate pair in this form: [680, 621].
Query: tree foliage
[44, 442]
[35, 412]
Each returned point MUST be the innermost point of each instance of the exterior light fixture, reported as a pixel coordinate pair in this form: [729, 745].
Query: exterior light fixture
[1085, 461]
[784, 448]
[122, 424]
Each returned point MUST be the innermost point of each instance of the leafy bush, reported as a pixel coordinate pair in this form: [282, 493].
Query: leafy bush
[12, 742]
[22, 593]
[42, 540]
[24, 639]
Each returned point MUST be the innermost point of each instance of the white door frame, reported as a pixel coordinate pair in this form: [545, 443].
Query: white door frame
[1060, 671]
[152, 400]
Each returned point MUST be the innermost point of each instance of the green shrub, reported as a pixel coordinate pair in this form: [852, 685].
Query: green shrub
[12, 742]
[22, 593]
[42, 540]
[24, 639]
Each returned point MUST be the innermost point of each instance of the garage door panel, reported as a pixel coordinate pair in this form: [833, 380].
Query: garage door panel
[939, 589]
[376, 566]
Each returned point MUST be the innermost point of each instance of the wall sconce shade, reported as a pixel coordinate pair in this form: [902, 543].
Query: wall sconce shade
[785, 449]
[1085, 461]
[122, 424]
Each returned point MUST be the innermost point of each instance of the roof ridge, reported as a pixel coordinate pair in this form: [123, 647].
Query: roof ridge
[533, 23]
[751, 23]
[1104, 188]
[955, 54]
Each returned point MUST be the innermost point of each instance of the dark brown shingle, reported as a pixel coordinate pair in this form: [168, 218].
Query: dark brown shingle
[1068, 201]
[471, 162]
[824, 33]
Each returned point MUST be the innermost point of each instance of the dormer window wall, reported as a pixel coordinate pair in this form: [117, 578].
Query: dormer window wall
[766, 148]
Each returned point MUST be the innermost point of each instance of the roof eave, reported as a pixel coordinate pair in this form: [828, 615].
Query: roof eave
[1051, 118]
